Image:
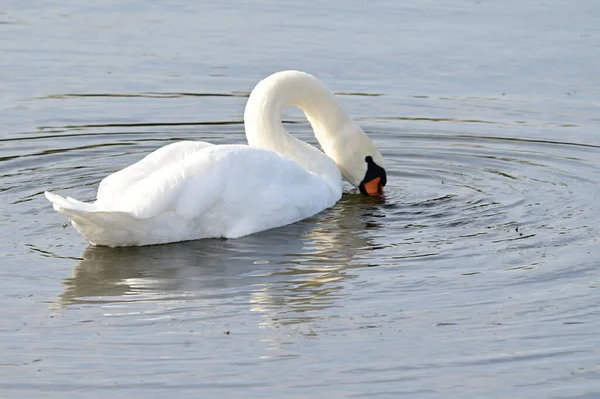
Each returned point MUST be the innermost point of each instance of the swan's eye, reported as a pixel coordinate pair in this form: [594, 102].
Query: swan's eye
[375, 179]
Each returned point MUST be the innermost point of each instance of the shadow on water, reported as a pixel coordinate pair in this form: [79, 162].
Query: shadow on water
[296, 268]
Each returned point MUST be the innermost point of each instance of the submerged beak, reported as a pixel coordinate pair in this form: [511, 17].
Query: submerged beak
[373, 188]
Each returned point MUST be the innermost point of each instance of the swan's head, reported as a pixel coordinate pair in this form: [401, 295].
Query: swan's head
[360, 162]
[375, 179]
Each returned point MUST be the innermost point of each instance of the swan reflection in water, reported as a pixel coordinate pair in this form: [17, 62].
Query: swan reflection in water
[282, 273]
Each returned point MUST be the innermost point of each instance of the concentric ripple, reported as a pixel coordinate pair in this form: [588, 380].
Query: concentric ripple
[464, 195]
[477, 232]
[449, 195]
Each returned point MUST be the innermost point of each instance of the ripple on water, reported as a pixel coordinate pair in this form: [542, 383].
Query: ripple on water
[445, 189]
[471, 227]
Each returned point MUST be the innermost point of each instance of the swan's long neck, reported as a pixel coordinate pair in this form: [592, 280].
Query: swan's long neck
[262, 120]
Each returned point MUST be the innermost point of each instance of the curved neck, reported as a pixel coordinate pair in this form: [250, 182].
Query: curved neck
[262, 120]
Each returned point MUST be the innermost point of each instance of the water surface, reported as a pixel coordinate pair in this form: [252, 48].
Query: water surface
[477, 277]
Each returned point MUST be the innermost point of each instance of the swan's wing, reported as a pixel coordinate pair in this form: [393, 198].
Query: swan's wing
[225, 181]
[113, 186]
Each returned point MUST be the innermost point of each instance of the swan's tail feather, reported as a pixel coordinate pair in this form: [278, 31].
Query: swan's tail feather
[98, 226]
[61, 203]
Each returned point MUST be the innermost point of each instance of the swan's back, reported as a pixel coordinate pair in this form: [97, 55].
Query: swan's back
[212, 191]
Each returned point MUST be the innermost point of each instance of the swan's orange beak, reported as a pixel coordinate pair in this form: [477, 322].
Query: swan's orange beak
[374, 180]
[374, 188]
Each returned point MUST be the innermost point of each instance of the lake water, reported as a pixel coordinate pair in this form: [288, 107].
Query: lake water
[476, 278]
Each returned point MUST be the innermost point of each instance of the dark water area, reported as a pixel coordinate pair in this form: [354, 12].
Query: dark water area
[477, 277]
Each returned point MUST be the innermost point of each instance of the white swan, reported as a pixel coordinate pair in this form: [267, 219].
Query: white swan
[191, 189]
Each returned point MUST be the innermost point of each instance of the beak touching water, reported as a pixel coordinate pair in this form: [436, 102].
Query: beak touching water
[374, 181]
[374, 188]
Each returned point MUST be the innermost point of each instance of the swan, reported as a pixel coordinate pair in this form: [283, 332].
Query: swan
[192, 189]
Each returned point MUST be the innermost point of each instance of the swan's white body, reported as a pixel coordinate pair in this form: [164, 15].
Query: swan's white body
[192, 189]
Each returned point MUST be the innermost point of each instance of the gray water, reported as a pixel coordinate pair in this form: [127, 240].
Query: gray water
[476, 278]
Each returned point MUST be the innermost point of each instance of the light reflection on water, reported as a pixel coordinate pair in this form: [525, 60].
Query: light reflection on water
[291, 269]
